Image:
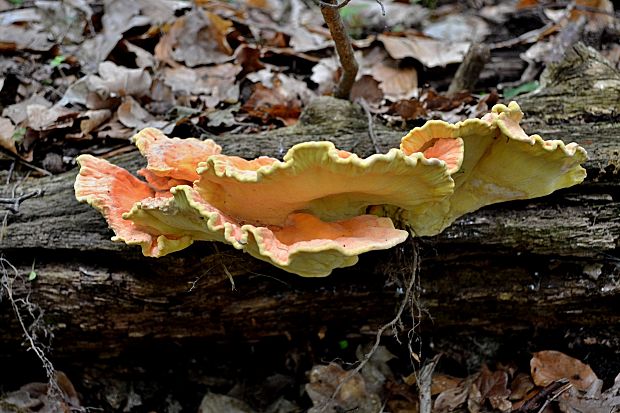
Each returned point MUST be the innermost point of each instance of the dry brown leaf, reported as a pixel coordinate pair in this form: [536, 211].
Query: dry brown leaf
[408, 109]
[7, 135]
[13, 38]
[64, 20]
[454, 397]
[144, 59]
[198, 37]
[595, 21]
[396, 83]
[376, 371]
[458, 27]
[326, 74]
[41, 118]
[550, 366]
[114, 129]
[17, 112]
[303, 40]
[397, 14]
[92, 119]
[118, 17]
[592, 401]
[23, 15]
[217, 403]
[442, 382]
[35, 397]
[434, 101]
[277, 97]
[367, 88]
[98, 92]
[429, 52]
[249, 59]
[520, 386]
[132, 115]
[352, 395]
[215, 83]
[403, 406]
[493, 387]
[475, 399]
[265, 104]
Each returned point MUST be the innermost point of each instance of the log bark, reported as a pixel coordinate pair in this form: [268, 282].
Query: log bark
[549, 264]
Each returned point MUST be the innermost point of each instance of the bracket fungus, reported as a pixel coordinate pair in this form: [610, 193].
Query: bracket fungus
[309, 213]
[500, 163]
[316, 177]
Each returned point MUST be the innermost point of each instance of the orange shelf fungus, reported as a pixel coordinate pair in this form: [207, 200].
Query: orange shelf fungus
[500, 163]
[163, 219]
[316, 177]
[172, 161]
[307, 214]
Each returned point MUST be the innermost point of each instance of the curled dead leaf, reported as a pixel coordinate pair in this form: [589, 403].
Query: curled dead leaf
[7, 133]
[430, 52]
[198, 37]
[549, 366]
[100, 91]
[353, 394]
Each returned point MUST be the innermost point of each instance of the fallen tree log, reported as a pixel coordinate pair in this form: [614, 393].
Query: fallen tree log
[549, 264]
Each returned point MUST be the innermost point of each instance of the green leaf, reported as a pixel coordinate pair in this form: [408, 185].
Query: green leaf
[511, 92]
[18, 134]
[32, 275]
[16, 2]
[343, 344]
[57, 61]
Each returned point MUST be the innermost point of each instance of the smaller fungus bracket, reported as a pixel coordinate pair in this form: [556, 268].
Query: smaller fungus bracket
[500, 163]
[318, 178]
[305, 245]
[174, 158]
[310, 247]
[112, 191]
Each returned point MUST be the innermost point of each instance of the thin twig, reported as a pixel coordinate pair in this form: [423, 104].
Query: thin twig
[14, 202]
[528, 37]
[333, 5]
[415, 268]
[26, 163]
[425, 381]
[371, 129]
[343, 48]
[54, 390]
[228, 274]
[543, 395]
[10, 174]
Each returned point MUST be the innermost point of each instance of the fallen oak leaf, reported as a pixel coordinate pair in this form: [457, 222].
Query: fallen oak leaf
[101, 91]
[7, 135]
[282, 101]
[198, 37]
[549, 366]
[428, 51]
[493, 387]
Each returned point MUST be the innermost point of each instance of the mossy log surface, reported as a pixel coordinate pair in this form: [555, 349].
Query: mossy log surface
[551, 263]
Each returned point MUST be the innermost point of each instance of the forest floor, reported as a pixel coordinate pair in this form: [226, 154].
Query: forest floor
[80, 76]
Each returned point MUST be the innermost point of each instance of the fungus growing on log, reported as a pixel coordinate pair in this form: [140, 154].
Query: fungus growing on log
[307, 214]
[316, 177]
[171, 161]
[500, 163]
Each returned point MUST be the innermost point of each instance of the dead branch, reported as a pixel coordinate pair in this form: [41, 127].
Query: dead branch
[343, 48]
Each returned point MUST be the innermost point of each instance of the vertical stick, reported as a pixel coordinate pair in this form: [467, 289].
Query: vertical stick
[343, 48]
